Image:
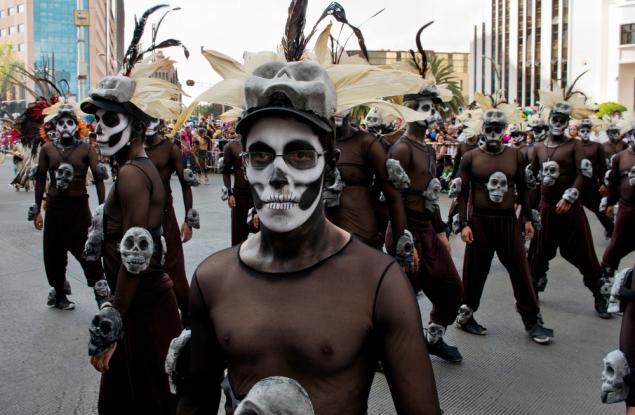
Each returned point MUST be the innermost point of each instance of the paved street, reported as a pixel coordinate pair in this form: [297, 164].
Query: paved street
[44, 365]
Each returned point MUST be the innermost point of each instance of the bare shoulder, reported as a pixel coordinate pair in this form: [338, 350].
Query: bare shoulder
[217, 267]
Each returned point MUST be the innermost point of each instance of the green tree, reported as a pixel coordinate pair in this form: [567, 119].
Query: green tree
[9, 70]
[609, 108]
[443, 74]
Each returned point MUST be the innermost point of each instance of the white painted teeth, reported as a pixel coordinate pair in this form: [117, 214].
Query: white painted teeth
[280, 206]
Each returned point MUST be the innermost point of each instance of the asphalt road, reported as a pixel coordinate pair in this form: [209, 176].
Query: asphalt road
[44, 367]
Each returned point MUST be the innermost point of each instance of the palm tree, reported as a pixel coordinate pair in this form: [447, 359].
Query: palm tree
[444, 75]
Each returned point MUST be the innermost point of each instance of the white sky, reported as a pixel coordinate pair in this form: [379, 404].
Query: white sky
[233, 26]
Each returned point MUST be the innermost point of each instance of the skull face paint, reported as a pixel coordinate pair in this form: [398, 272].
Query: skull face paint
[374, 120]
[64, 176]
[585, 134]
[66, 127]
[285, 196]
[113, 130]
[136, 248]
[558, 123]
[550, 173]
[153, 127]
[425, 106]
[497, 186]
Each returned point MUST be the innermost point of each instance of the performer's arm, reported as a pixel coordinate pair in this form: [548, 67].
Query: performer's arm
[578, 151]
[521, 188]
[202, 394]
[615, 179]
[403, 350]
[377, 159]
[465, 175]
[40, 178]
[601, 165]
[93, 160]
[627, 341]
[457, 161]
[228, 163]
[175, 154]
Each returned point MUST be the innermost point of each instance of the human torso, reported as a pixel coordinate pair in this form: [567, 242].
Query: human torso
[78, 157]
[267, 325]
[613, 147]
[161, 156]
[421, 170]
[564, 156]
[592, 151]
[482, 167]
[626, 161]
[353, 160]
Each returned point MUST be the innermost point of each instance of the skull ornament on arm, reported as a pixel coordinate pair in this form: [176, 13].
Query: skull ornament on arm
[92, 247]
[404, 252]
[571, 195]
[136, 248]
[193, 219]
[397, 176]
[106, 329]
[497, 186]
[530, 178]
[431, 195]
[333, 186]
[190, 177]
[64, 176]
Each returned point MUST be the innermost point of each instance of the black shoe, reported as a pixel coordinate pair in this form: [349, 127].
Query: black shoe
[472, 327]
[540, 284]
[608, 234]
[540, 334]
[67, 287]
[64, 304]
[601, 307]
[50, 300]
[445, 351]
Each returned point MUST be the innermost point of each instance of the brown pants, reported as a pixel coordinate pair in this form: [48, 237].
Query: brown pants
[65, 230]
[500, 233]
[622, 242]
[571, 233]
[590, 198]
[136, 382]
[174, 260]
[240, 229]
[437, 276]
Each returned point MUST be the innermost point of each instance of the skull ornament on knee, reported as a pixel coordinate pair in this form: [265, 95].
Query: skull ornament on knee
[497, 186]
[550, 173]
[614, 387]
[64, 176]
[136, 248]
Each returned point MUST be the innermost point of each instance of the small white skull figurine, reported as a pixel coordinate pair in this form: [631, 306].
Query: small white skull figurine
[631, 176]
[431, 195]
[465, 313]
[136, 249]
[550, 173]
[397, 175]
[571, 195]
[497, 186]
[530, 178]
[64, 176]
[456, 224]
[614, 388]
[604, 204]
[224, 194]
[434, 333]
[619, 281]
[586, 168]
[190, 177]
[455, 188]
[404, 252]
[193, 219]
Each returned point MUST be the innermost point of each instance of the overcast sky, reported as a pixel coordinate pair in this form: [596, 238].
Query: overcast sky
[233, 26]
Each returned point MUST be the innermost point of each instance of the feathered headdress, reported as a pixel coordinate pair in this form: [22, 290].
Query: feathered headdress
[474, 121]
[355, 84]
[575, 98]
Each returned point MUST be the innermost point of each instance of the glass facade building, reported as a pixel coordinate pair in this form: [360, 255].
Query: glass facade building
[55, 40]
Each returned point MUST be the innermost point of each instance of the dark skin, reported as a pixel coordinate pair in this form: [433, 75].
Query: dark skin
[594, 152]
[231, 156]
[140, 207]
[166, 156]
[376, 163]
[82, 156]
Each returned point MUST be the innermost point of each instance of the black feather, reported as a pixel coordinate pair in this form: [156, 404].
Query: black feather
[132, 54]
[293, 41]
[570, 91]
[166, 44]
[423, 68]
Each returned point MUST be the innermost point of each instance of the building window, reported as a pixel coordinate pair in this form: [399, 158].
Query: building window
[11, 10]
[628, 34]
[20, 8]
[12, 30]
[3, 32]
[3, 13]
[21, 27]
[21, 47]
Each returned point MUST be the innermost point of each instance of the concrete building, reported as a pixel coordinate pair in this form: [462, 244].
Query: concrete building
[44, 36]
[458, 62]
[539, 44]
[169, 74]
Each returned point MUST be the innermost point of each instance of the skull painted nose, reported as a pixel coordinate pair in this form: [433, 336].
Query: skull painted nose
[278, 179]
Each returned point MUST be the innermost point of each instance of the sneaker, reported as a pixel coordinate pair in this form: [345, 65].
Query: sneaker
[445, 351]
[67, 287]
[64, 304]
[50, 300]
[601, 307]
[540, 334]
[472, 327]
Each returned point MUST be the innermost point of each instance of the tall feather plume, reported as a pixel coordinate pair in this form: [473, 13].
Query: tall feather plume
[422, 66]
[570, 92]
[293, 41]
[166, 44]
[132, 55]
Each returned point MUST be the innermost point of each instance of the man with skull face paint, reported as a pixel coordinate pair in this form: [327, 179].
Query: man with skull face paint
[166, 156]
[302, 298]
[593, 169]
[489, 175]
[437, 275]
[239, 196]
[130, 337]
[615, 144]
[66, 161]
[564, 224]
[621, 190]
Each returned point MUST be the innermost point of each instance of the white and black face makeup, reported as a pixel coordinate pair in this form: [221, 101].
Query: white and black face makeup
[629, 138]
[426, 107]
[113, 130]
[284, 164]
[558, 123]
[153, 127]
[539, 133]
[66, 127]
[585, 133]
[613, 135]
[493, 135]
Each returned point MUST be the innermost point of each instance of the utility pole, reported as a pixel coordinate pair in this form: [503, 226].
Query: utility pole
[81, 62]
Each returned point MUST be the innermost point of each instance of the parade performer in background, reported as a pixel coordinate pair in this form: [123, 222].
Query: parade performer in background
[66, 161]
[615, 144]
[238, 195]
[131, 334]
